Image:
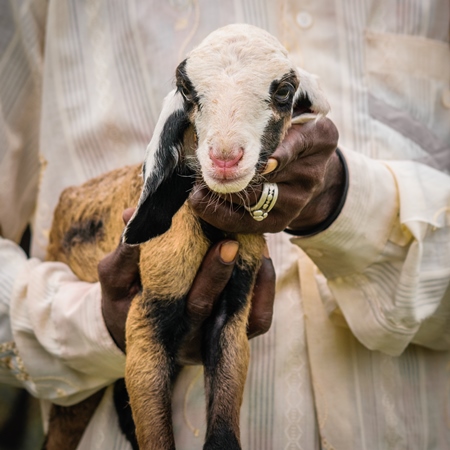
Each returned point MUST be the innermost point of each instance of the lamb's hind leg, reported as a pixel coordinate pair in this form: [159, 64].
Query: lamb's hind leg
[226, 357]
[154, 332]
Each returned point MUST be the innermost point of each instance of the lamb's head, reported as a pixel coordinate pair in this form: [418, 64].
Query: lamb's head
[237, 93]
[240, 91]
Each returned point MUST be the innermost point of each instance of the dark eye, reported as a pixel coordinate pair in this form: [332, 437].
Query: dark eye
[284, 93]
[185, 92]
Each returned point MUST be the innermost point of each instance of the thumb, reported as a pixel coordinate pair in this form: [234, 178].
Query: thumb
[121, 267]
[126, 255]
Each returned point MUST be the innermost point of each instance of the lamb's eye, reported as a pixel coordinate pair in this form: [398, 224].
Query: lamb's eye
[185, 92]
[284, 93]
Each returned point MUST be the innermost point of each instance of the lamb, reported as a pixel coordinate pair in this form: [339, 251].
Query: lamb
[236, 95]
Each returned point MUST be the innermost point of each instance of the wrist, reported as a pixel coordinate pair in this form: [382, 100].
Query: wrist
[326, 206]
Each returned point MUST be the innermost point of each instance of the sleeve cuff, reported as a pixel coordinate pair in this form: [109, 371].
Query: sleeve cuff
[355, 241]
[58, 327]
[360, 232]
[85, 342]
[329, 220]
[12, 260]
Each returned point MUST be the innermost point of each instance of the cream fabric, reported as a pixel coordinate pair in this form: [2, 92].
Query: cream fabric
[357, 356]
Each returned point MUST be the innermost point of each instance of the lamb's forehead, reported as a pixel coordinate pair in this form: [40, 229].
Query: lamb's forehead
[239, 52]
[241, 34]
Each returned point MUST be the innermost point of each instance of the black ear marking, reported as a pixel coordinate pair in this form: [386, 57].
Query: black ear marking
[186, 88]
[302, 105]
[154, 215]
[166, 185]
[309, 101]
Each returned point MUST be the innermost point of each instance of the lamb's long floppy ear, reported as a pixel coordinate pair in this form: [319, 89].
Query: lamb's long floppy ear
[166, 177]
[309, 100]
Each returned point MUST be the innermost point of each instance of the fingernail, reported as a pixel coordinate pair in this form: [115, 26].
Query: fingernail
[228, 251]
[266, 253]
[271, 165]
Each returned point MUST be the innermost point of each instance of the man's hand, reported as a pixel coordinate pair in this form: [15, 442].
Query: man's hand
[310, 181]
[211, 279]
[119, 278]
[120, 282]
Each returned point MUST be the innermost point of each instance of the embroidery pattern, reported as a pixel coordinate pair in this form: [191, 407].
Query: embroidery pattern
[9, 358]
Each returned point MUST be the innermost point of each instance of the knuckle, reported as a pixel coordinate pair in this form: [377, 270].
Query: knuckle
[279, 224]
[104, 265]
[269, 273]
[201, 308]
[263, 324]
[329, 131]
[127, 252]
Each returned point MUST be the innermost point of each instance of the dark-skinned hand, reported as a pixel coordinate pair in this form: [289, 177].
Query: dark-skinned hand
[310, 181]
[120, 282]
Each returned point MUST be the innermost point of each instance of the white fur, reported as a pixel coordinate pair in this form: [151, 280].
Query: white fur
[232, 70]
[172, 102]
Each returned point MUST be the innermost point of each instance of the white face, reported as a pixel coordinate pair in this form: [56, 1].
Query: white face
[239, 90]
[230, 125]
[229, 81]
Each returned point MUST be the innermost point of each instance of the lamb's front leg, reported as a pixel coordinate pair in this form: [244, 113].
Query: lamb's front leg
[226, 357]
[155, 329]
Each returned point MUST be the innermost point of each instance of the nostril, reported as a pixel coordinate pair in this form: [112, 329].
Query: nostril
[226, 159]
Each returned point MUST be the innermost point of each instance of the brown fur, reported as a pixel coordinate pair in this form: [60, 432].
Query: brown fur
[206, 113]
[66, 425]
[88, 225]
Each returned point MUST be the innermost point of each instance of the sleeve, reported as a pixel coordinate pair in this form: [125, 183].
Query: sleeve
[54, 339]
[384, 264]
[21, 62]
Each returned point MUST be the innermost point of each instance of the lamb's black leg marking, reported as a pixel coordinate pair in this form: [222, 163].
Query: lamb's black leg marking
[168, 319]
[212, 233]
[225, 355]
[154, 215]
[232, 301]
[157, 327]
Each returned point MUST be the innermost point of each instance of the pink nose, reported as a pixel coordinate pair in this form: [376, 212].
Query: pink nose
[226, 161]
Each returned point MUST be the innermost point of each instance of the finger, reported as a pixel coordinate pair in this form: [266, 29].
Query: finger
[317, 137]
[236, 219]
[127, 256]
[115, 315]
[123, 259]
[121, 267]
[127, 214]
[119, 271]
[294, 144]
[261, 313]
[224, 215]
[211, 279]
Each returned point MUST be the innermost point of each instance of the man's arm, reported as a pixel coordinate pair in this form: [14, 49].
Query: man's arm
[64, 333]
[386, 255]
